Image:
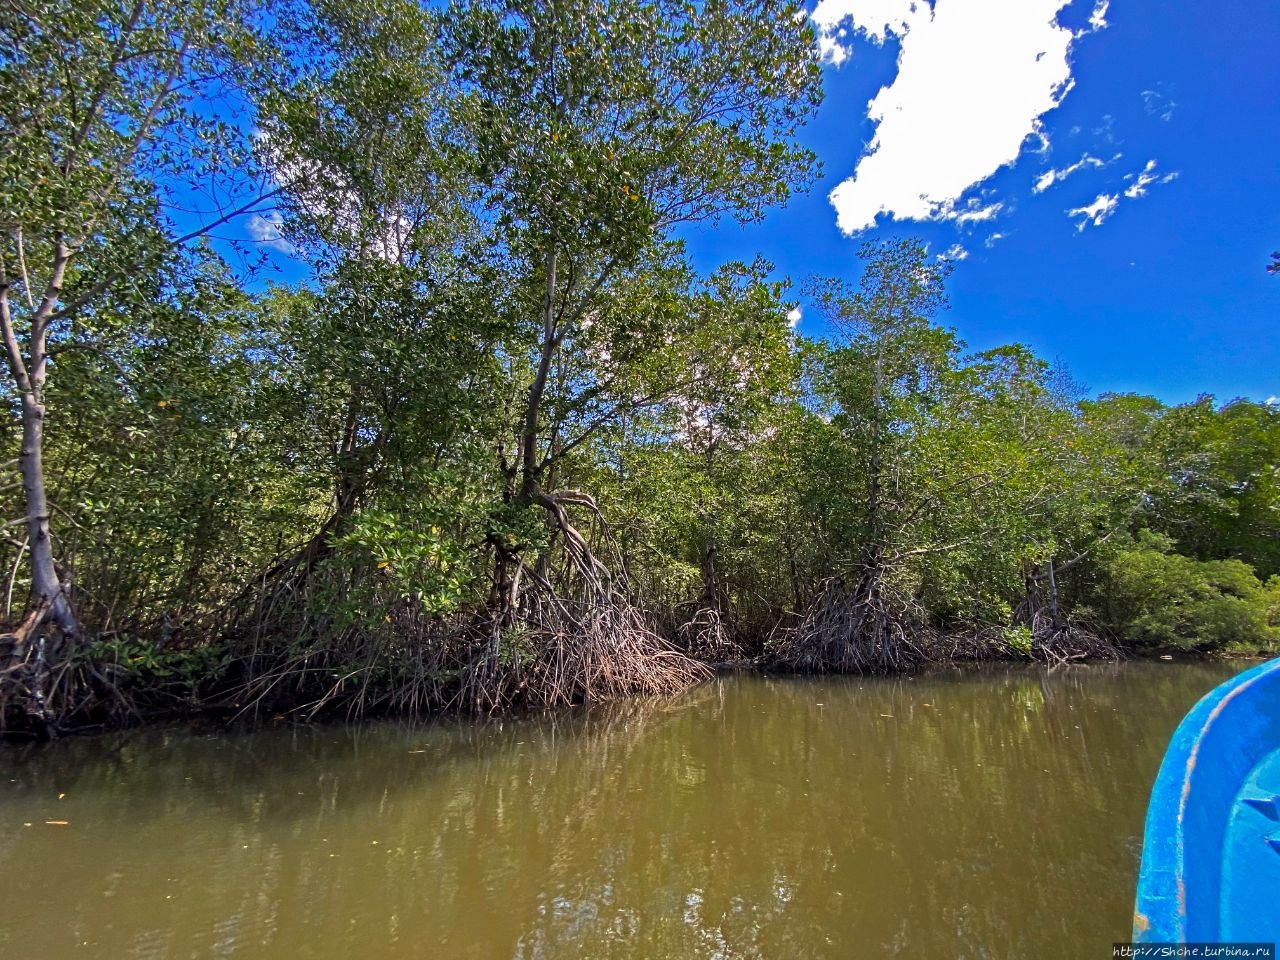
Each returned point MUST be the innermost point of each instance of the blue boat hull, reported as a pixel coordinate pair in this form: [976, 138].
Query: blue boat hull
[1211, 854]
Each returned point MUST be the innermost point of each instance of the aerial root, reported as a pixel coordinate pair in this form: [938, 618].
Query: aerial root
[863, 626]
[561, 651]
[1050, 639]
[1057, 640]
[707, 637]
[569, 634]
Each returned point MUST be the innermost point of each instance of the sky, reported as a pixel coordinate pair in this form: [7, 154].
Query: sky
[1105, 177]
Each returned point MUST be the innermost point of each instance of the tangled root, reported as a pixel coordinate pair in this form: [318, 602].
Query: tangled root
[1046, 639]
[563, 652]
[861, 627]
[571, 636]
[560, 632]
[708, 638]
[46, 689]
[1062, 639]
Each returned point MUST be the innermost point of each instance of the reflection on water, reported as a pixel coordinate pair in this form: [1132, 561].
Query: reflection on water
[959, 815]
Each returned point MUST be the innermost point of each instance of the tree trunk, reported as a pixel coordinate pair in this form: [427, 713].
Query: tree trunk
[711, 594]
[507, 578]
[550, 342]
[1053, 597]
[796, 594]
[874, 467]
[49, 595]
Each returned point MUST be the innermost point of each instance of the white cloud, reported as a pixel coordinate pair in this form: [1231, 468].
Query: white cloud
[993, 239]
[1106, 130]
[875, 19]
[1096, 213]
[793, 317]
[1098, 19]
[1105, 205]
[974, 212]
[1144, 179]
[325, 197]
[1157, 104]
[1050, 177]
[954, 252]
[1273, 401]
[973, 81]
[265, 231]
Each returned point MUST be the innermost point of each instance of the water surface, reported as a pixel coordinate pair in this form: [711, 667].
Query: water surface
[959, 815]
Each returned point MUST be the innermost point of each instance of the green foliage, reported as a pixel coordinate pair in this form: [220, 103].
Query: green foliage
[1222, 481]
[171, 470]
[1018, 637]
[103, 130]
[136, 664]
[419, 560]
[600, 123]
[1158, 598]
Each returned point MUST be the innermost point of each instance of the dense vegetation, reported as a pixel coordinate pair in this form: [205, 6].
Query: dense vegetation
[497, 443]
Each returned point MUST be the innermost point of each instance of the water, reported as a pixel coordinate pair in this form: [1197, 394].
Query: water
[961, 815]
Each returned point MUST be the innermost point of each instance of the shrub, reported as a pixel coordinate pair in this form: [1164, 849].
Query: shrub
[1158, 598]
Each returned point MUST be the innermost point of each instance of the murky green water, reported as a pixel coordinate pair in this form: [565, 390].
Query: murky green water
[994, 815]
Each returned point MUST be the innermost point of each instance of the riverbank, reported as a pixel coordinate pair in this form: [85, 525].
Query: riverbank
[132, 685]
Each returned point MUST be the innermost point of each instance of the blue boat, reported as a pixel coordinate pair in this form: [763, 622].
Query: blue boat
[1211, 855]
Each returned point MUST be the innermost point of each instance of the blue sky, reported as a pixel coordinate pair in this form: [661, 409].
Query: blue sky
[1160, 290]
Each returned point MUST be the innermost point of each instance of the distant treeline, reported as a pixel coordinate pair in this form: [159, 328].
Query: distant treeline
[500, 444]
